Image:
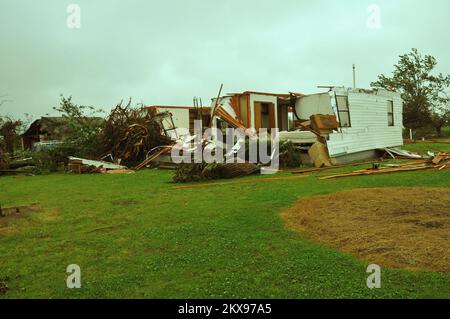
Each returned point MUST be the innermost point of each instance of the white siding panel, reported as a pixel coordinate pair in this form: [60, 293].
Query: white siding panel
[369, 130]
[180, 117]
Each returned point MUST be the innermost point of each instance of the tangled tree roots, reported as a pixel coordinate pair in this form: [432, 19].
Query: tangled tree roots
[130, 133]
[186, 173]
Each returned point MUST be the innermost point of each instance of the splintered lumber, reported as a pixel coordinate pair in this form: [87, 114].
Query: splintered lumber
[120, 171]
[380, 171]
[423, 161]
[152, 158]
[439, 158]
[414, 163]
[228, 118]
[242, 181]
[213, 113]
[318, 169]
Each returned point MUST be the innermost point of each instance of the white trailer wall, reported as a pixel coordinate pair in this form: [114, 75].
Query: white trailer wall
[180, 116]
[369, 124]
[313, 104]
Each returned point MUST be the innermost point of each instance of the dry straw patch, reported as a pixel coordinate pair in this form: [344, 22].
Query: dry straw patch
[393, 227]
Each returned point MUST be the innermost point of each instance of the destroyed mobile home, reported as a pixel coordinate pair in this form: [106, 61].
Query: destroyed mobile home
[336, 127]
[326, 130]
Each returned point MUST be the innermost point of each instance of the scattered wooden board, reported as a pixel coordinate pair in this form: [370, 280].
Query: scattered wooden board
[152, 158]
[318, 169]
[438, 158]
[120, 171]
[381, 171]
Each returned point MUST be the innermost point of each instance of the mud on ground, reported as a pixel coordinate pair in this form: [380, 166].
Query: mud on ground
[405, 228]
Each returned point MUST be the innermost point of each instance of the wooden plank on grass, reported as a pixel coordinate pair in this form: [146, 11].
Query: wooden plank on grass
[318, 169]
[383, 171]
[152, 158]
[438, 158]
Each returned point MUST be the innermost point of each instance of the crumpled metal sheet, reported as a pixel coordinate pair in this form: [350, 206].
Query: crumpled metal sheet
[105, 165]
[396, 151]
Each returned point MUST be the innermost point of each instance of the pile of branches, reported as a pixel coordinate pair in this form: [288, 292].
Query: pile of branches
[186, 173]
[129, 134]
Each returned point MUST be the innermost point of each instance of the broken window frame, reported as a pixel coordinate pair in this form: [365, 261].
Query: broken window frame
[390, 113]
[346, 110]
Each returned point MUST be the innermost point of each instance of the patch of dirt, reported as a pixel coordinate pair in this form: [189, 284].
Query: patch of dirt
[3, 287]
[124, 202]
[11, 213]
[392, 227]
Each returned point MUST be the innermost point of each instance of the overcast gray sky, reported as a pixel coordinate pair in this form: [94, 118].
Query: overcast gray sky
[166, 52]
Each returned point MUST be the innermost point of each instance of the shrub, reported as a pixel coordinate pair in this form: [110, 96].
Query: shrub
[289, 155]
[4, 157]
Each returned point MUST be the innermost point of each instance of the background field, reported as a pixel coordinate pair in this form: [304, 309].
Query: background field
[137, 236]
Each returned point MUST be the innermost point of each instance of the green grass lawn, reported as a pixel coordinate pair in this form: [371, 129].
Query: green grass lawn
[135, 236]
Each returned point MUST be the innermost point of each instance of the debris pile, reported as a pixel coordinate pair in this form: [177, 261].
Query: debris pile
[186, 173]
[129, 134]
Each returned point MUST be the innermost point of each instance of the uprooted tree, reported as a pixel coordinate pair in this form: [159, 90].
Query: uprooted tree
[126, 136]
[129, 134]
[425, 102]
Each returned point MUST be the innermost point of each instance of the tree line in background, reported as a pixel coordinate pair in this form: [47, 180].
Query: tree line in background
[426, 102]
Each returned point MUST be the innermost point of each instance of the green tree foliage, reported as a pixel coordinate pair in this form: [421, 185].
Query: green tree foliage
[84, 127]
[10, 133]
[9, 130]
[425, 102]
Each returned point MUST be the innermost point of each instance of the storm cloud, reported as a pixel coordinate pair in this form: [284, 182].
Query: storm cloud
[166, 52]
